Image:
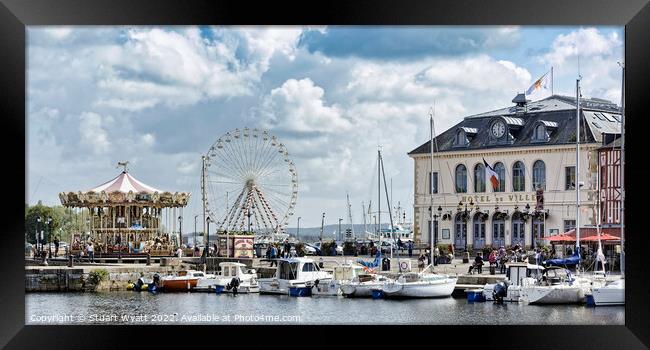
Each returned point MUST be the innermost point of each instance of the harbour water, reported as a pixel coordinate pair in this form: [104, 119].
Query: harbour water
[209, 308]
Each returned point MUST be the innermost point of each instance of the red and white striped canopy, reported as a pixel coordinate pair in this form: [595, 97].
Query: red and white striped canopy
[124, 183]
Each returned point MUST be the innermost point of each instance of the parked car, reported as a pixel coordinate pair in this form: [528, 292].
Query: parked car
[310, 249]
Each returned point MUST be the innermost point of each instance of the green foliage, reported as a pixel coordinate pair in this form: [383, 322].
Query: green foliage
[64, 222]
[98, 275]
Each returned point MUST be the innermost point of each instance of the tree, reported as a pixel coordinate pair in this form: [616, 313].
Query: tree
[64, 222]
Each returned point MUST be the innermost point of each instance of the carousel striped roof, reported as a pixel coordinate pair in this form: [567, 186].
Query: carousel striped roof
[124, 183]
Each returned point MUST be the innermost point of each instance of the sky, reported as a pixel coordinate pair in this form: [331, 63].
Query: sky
[160, 97]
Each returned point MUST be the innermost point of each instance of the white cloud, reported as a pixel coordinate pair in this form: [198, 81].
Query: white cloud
[596, 54]
[298, 105]
[92, 133]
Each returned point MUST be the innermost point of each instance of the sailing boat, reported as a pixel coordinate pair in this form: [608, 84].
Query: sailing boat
[425, 284]
[614, 293]
[557, 285]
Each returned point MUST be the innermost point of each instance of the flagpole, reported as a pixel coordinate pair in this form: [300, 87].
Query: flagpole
[552, 82]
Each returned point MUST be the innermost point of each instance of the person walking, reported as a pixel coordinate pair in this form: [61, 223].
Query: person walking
[274, 254]
[91, 252]
[410, 248]
[436, 255]
[421, 259]
[502, 258]
[56, 246]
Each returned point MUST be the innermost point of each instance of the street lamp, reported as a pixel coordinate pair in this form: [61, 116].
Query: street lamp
[207, 245]
[38, 236]
[298, 230]
[180, 231]
[465, 216]
[340, 235]
[435, 234]
[322, 224]
[48, 226]
[195, 216]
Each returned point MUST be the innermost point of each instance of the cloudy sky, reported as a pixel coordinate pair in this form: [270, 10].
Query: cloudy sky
[159, 97]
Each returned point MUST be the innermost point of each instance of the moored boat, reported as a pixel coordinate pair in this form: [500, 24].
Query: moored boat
[556, 286]
[612, 293]
[184, 280]
[425, 284]
[292, 273]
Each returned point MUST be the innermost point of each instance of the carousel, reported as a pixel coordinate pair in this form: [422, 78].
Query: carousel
[127, 217]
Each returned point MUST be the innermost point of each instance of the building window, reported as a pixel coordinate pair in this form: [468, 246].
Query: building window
[461, 139]
[518, 177]
[569, 225]
[433, 183]
[461, 179]
[570, 178]
[540, 134]
[479, 178]
[501, 171]
[539, 175]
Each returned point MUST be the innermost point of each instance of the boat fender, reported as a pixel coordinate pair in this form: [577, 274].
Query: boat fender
[130, 286]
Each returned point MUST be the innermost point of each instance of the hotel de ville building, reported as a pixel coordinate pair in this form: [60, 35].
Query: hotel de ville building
[532, 148]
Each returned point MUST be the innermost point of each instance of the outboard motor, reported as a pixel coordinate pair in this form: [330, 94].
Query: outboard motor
[500, 292]
[153, 287]
[234, 284]
[139, 284]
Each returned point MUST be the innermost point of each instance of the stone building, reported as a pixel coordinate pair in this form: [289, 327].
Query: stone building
[532, 148]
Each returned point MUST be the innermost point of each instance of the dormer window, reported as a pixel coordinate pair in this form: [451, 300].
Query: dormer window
[542, 131]
[540, 134]
[461, 139]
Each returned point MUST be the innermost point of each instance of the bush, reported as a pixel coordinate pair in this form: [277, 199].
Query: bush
[98, 275]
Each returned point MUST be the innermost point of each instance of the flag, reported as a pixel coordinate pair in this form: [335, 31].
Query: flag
[541, 83]
[491, 175]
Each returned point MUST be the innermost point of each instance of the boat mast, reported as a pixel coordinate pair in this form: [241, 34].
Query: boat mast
[578, 167]
[433, 236]
[622, 206]
[379, 196]
[363, 212]
[390, 213]
[350, 215]
[203, 197]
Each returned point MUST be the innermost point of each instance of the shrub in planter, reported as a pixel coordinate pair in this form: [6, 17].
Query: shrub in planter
[98, 275]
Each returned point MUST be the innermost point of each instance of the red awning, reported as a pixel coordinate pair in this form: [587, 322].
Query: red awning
[588, 234]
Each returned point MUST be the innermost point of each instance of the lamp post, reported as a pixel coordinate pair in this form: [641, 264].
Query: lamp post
[322, 224]
[207, 245]
[48, 226]
[340, 235]
[180, 231]
[465, 216]
[195, 216]
[526, 211]
[435, 234]
[39, 235]
[298, 230]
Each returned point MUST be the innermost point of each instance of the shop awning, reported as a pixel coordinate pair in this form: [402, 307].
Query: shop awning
[587, 234]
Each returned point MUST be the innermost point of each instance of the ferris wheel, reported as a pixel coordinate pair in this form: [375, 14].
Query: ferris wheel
[251, 182]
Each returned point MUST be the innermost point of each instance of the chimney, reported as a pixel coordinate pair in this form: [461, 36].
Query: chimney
[520, 101]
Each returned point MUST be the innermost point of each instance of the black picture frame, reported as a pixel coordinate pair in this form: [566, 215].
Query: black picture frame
[634, 14]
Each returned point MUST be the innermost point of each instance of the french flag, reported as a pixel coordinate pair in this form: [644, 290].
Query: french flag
[491, 175]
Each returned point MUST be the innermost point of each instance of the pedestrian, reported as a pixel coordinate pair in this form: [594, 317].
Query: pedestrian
[421, 262]
[91, 252]
[268, 252]
[399, 243]
[274, 254]
[538, 257]
[410, 248]
[436, 255]
[56, 246]
[502, 258]
[216, 249]
[179, 252]
[492, 258]
[428, 255]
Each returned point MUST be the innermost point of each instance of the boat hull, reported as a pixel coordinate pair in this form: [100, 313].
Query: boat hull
[553, 295]
[420, 289]
[178, 285]
[609, 295]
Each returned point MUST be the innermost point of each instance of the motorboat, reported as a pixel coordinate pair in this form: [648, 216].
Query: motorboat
[344, 275]
[246, 282]
[510, 288]
[293, 273]
[184, 280]
[361, 286]
[555, 286]
[424, 284]
[613, 293]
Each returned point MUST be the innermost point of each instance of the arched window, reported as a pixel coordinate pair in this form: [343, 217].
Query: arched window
[518, 177]
[539, 175]
[540, 134]
[479, 178]
[461, 179]
[461, 139]
[501, 171]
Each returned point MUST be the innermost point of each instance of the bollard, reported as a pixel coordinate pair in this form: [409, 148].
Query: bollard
[70, 260]
[148, 259]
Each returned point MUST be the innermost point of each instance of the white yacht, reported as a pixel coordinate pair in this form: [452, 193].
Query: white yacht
[613, 293]
[341, 274]
[362, 285]
[247, 281]
[556, 286]
[515, 274]
[292, 273]
[425, 284]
